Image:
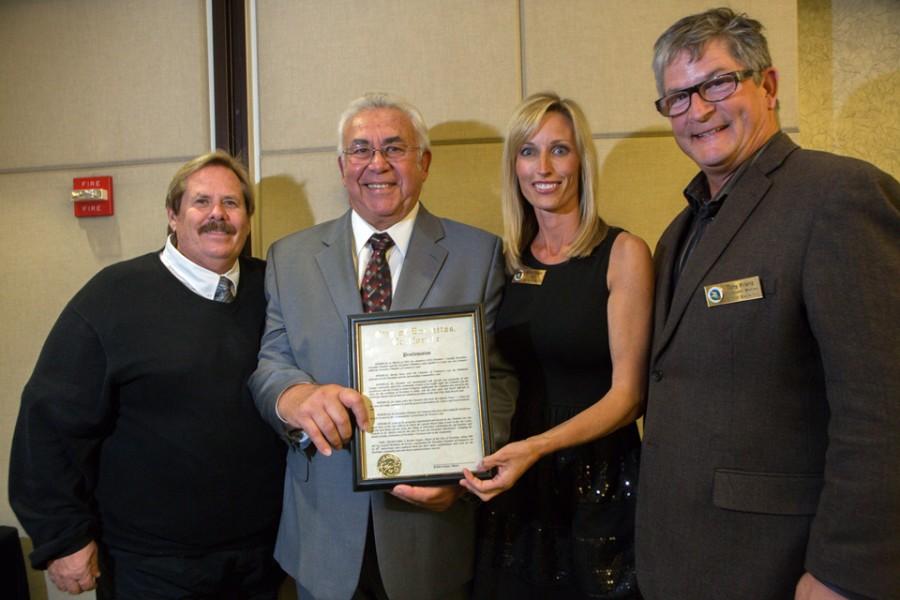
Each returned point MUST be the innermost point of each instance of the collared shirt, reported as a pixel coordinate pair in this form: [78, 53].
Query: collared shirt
[400, 232]
[198, 279]
[704, 209]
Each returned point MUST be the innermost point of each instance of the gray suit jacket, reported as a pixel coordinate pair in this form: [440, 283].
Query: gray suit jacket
[771, 438]
[311, 285]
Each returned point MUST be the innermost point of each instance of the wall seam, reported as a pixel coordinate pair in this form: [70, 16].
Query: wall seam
[211, 75]
[523, 84]
[96, 165]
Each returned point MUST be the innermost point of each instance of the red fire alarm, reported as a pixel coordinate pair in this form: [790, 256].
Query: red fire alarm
[92, 196]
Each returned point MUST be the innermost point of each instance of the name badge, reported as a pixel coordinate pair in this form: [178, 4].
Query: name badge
[529, 276]
[729, 292]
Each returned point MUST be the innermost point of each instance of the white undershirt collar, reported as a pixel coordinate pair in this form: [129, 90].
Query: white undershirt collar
[401, 232]
[199, 280]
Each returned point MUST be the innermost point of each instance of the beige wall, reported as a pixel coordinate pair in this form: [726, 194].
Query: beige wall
[850, 65]
[119, 87]
[90, 87]
[466, 64]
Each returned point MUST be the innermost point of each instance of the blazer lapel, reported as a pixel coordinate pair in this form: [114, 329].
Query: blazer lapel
[335, 261]
[664, 258]
[739, 205]
[423, 261]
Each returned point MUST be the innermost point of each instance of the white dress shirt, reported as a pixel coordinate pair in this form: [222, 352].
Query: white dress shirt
[400, 232]
[199, 280]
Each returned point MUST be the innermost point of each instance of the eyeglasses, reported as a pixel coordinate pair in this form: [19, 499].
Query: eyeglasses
[716, 89]
[363, 155]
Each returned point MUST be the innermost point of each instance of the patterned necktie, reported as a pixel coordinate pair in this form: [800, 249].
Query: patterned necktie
[376, 283]
[223, 291]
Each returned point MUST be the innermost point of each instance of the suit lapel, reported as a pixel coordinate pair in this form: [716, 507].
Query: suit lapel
[739, 205]
[423, 261]
[335, 262]
[665, 257]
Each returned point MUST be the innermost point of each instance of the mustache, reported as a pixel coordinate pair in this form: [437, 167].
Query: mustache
[217, 226]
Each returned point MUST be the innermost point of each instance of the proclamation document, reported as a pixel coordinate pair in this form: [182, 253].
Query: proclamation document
[423, 373]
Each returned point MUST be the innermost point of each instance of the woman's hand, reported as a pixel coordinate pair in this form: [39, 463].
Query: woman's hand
[511, 462]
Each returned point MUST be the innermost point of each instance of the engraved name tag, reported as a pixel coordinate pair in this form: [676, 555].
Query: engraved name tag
[529, 276]
[729, 292]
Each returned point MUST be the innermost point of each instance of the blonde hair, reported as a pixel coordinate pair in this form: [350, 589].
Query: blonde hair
[520, 224]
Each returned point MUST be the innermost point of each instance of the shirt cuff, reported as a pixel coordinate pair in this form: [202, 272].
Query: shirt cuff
[296, 437]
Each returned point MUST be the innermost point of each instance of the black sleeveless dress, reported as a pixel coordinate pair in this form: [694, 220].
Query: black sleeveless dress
[566, 529]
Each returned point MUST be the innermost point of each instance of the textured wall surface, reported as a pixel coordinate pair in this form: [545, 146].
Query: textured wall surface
[850, 65]
[466, 64]
[89, 87]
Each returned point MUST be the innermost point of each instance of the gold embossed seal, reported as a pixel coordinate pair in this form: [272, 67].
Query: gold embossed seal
[389, 465]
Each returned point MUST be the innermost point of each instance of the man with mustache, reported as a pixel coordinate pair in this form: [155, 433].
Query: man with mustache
[771, 453]
[139, 463]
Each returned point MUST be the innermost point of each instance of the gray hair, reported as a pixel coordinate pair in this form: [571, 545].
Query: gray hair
[743, 35]
[374, 100]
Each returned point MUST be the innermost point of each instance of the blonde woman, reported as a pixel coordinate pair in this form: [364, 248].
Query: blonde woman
[575, 322]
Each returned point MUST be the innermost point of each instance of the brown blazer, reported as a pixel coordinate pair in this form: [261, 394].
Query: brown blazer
[772, 434]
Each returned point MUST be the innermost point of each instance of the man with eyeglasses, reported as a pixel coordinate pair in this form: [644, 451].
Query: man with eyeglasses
[412, 542]
[770, 458]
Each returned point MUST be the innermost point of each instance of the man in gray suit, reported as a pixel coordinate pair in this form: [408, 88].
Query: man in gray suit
[413, 542]
[770, 458]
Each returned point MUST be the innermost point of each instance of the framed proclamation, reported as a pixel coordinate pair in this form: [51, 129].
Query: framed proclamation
[423, 373]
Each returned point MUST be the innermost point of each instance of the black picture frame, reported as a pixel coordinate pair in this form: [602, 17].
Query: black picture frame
[414, 345]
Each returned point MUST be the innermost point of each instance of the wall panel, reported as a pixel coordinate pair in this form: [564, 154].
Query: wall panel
[849, 57]
[84, 81]
[640, 183]
[599, 53]
[466, 64]
[458, 61]
[302, 190]
[305, 189]
[90, 87]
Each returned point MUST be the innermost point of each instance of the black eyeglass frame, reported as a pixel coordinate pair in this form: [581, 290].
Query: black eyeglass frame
[738, 76]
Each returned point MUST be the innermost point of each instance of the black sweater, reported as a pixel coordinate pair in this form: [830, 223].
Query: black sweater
[137, 427]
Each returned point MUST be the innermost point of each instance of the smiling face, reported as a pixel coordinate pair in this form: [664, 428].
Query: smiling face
[212, 224]
[383, 192]
[548, 166]
[719, 136]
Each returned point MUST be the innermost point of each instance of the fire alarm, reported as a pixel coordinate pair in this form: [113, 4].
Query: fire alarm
[92, 196]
